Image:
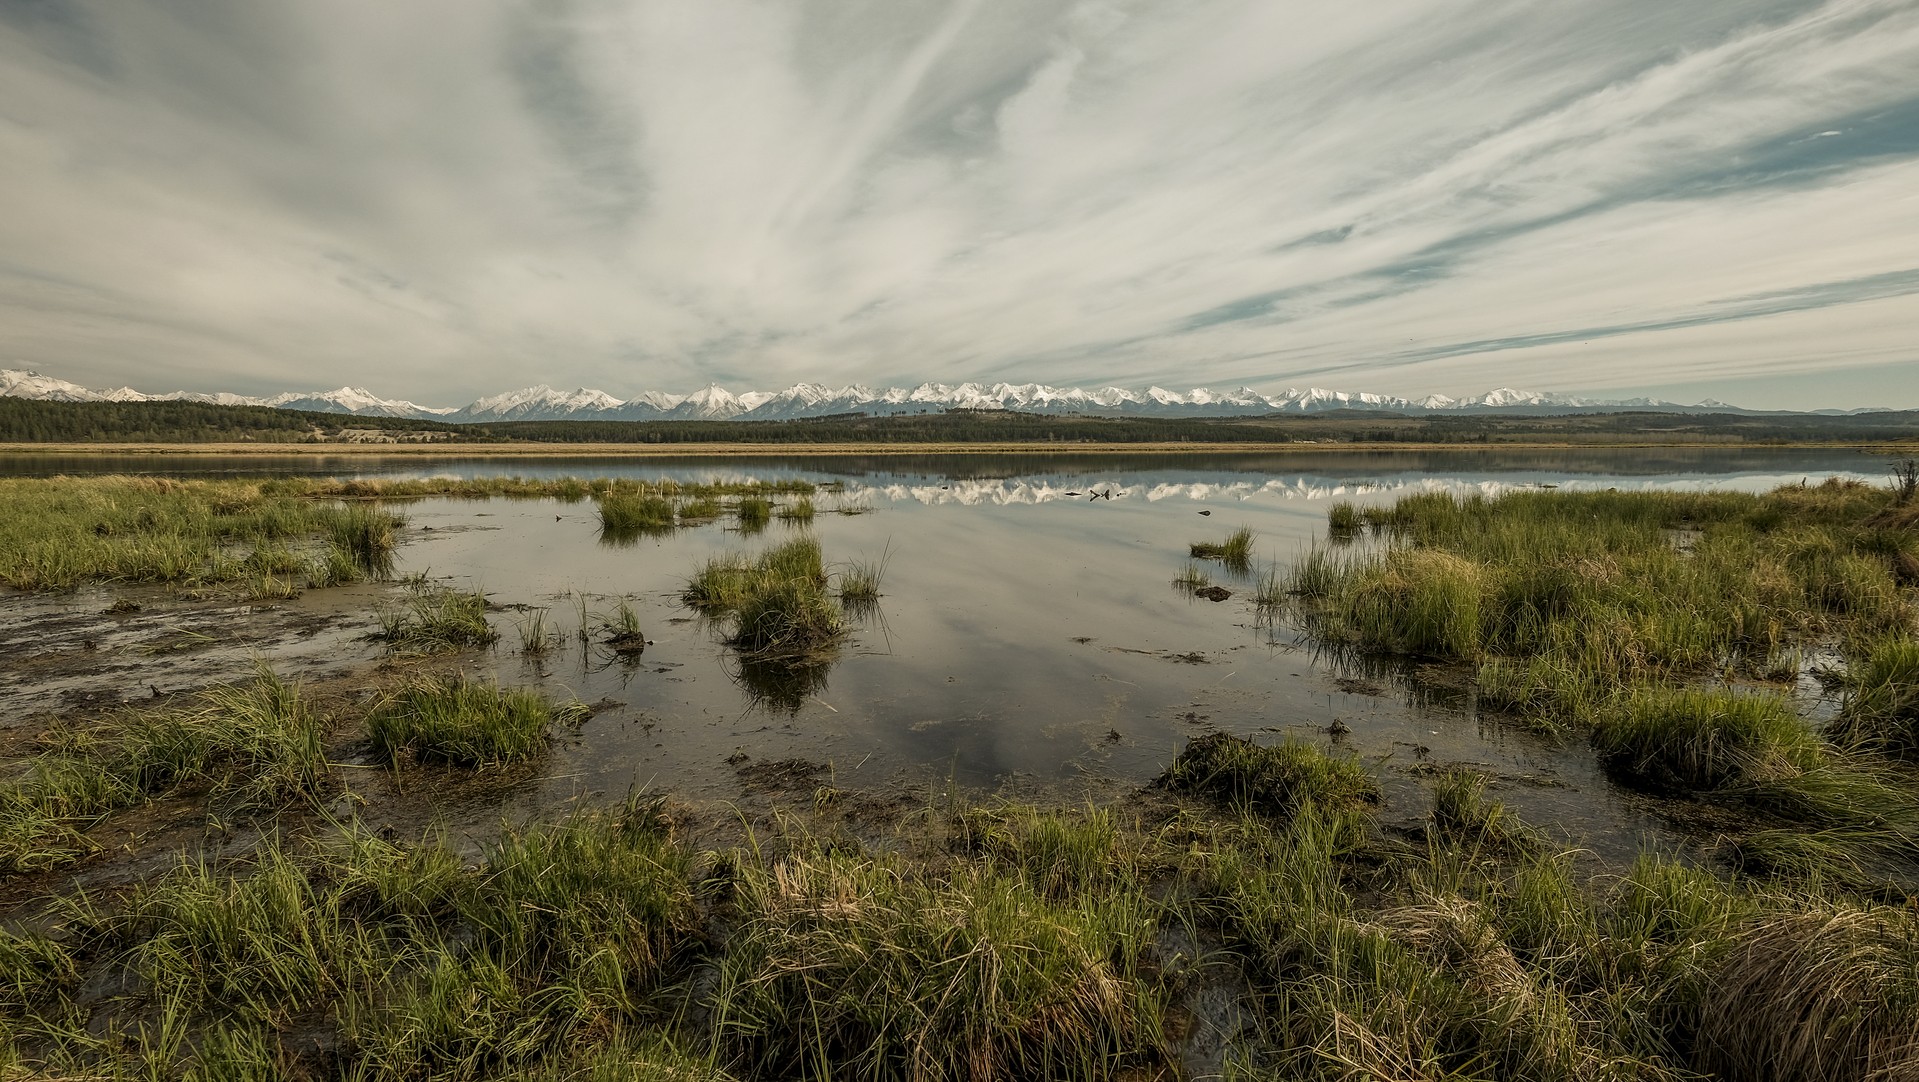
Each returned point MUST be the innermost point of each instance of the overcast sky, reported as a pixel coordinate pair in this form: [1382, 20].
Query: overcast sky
[441, 198]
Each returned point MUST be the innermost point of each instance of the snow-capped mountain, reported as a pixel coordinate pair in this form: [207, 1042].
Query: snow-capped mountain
[354, 400]
[802, 400]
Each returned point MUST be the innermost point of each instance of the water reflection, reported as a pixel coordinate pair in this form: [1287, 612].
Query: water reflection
[783, 686]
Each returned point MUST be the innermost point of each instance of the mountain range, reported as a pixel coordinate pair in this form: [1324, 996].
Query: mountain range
[715, 403]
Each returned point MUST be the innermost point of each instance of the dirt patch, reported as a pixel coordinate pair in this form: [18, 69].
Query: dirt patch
[780, 775]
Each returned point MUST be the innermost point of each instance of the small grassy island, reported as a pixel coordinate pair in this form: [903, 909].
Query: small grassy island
[1250, 915]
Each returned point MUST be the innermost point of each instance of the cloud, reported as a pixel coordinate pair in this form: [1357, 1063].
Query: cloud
[447, 197]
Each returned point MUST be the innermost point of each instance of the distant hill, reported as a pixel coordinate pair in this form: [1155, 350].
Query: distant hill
[35, 421]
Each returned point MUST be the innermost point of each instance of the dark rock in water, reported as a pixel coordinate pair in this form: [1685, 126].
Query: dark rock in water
[627, 644]
[1205, 512]
[1213, 593]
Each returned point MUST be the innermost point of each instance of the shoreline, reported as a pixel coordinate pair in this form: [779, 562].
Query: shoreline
[750, 450]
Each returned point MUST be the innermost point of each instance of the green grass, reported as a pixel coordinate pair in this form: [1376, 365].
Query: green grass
[1464, 816]
[59, 533]
[1618, 613]
[1269, 593]
[1192, 578]
[859, 582]
[800, 510]
[1881, 709]
[1004, 941]
[365, 536]
[464, 723]
[701, 509]
[776, 605]
[1343, 520]
[631, 514]
[436, 620]
[1274, 780]
[258, 744]
[1696, 740]
[855, 967]
[1236, 552]
[536, 634]
[753, 512]
[784, 616]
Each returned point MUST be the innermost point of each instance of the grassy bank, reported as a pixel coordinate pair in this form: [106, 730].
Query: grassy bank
[1210, 931]
[64, 532]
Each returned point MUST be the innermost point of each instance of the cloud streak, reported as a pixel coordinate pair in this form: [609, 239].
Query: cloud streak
[450, 196]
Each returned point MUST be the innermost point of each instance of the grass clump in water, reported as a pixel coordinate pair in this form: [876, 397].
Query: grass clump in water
[777, 605]
[1192, 578]
[1881, 709]
[437, 620]
[753, 513]
[464, 723]
[628, 515]
[784, 616]
[800, 510]
[1343, 521]
[365, 537]
[537, 635]
[1236, 552]
[859, 583]
[701, 509]
[1463, 815]
[1273, 780]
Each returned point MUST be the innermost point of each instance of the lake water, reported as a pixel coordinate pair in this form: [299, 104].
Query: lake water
[1029, 638]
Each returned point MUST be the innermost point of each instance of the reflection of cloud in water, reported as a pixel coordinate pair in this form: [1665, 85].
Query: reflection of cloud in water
[1004, 492]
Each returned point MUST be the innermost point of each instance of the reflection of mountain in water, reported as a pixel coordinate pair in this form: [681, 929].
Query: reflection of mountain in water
[1036, 491]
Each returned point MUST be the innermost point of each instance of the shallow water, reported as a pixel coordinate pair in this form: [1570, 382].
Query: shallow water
[1029, 637]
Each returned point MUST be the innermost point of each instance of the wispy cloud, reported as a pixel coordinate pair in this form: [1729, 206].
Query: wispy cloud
[449, 196]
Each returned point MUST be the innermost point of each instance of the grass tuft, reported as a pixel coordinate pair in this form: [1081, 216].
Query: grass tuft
[463, 723]
[1695, 740]
[1276, 780]
[1881, 708]
[1236, 552]
[628, 515]
[437, 620]
[260, 745]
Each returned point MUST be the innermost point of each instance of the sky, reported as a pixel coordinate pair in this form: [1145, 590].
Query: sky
[440, 199]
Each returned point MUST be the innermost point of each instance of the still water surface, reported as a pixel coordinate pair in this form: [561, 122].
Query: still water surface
[1030, 638]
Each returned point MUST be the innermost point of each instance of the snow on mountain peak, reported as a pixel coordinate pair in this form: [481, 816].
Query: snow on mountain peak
[803, 400]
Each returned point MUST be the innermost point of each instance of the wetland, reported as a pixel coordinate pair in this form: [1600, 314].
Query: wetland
[1495, 764]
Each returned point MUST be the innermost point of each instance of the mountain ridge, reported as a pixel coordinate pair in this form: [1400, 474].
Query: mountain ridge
[803, 400]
